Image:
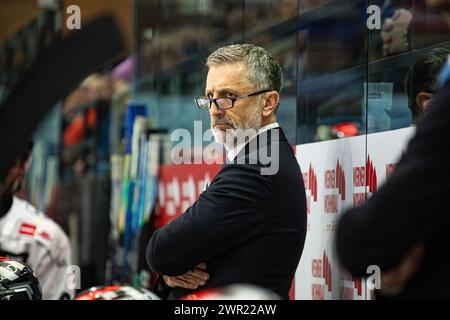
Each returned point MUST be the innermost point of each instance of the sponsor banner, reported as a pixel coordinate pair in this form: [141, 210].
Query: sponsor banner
[180, 186]
[339, 174]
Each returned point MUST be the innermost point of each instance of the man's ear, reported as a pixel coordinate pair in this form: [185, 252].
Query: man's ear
[271, 101]
[423, 100]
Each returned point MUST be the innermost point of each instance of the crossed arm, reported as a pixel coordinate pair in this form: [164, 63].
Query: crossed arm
[230, 212]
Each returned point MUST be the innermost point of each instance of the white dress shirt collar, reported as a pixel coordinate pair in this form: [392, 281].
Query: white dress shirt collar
[231, 154]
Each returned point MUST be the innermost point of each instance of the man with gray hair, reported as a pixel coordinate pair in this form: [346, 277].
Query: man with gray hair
[249, 226]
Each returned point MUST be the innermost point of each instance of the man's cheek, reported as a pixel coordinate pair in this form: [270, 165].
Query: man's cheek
[237, 120]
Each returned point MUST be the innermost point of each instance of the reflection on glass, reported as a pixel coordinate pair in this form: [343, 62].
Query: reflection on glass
[328, 56]
[273, 25]
[172, 48]
[173, 39]
[331, 55]
[305, 5]
[420, 80]
[379, 100]
[408, 25]
[406, 53]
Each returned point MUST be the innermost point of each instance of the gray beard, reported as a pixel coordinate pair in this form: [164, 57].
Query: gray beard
[234, 137]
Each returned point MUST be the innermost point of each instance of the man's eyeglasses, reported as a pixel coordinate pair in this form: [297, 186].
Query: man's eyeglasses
[223, 103]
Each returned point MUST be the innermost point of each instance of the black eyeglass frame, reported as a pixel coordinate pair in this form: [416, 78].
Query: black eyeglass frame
[233, 100]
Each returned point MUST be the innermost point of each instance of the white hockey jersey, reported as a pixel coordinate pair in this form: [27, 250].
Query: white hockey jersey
[30, 236]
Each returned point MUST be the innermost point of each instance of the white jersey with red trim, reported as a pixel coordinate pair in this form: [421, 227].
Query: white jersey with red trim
[28, 235]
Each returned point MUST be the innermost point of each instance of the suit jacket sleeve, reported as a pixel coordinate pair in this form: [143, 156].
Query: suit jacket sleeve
[406, 211]
[230, 212]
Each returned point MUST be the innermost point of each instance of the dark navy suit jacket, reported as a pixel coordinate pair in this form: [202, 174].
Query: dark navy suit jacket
[247, 227]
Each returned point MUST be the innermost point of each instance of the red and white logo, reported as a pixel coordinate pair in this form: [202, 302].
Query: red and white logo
[44, 235]
[390, 169]
[27, 229]
[340, 180]
[334, 180]
[310, 182]
[349, 286]
[322, 277]
[32, 230]
[180, 186]
[364, 177]
[371, 175]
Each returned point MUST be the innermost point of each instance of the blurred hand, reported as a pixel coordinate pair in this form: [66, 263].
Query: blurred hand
[394, 31]
[190, 280]
[393, 282]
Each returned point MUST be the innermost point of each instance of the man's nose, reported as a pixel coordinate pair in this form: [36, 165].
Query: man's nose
[214, 111]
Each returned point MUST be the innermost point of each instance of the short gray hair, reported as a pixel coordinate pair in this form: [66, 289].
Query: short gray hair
[262, 68]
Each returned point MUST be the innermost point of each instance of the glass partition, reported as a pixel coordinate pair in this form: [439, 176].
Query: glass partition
[341, 79]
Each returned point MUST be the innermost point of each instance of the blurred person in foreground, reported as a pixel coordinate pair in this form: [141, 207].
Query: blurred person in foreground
[249, 226]
[404, 228]
[29, 236]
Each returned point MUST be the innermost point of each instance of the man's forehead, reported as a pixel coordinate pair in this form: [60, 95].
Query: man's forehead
[226, 76]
